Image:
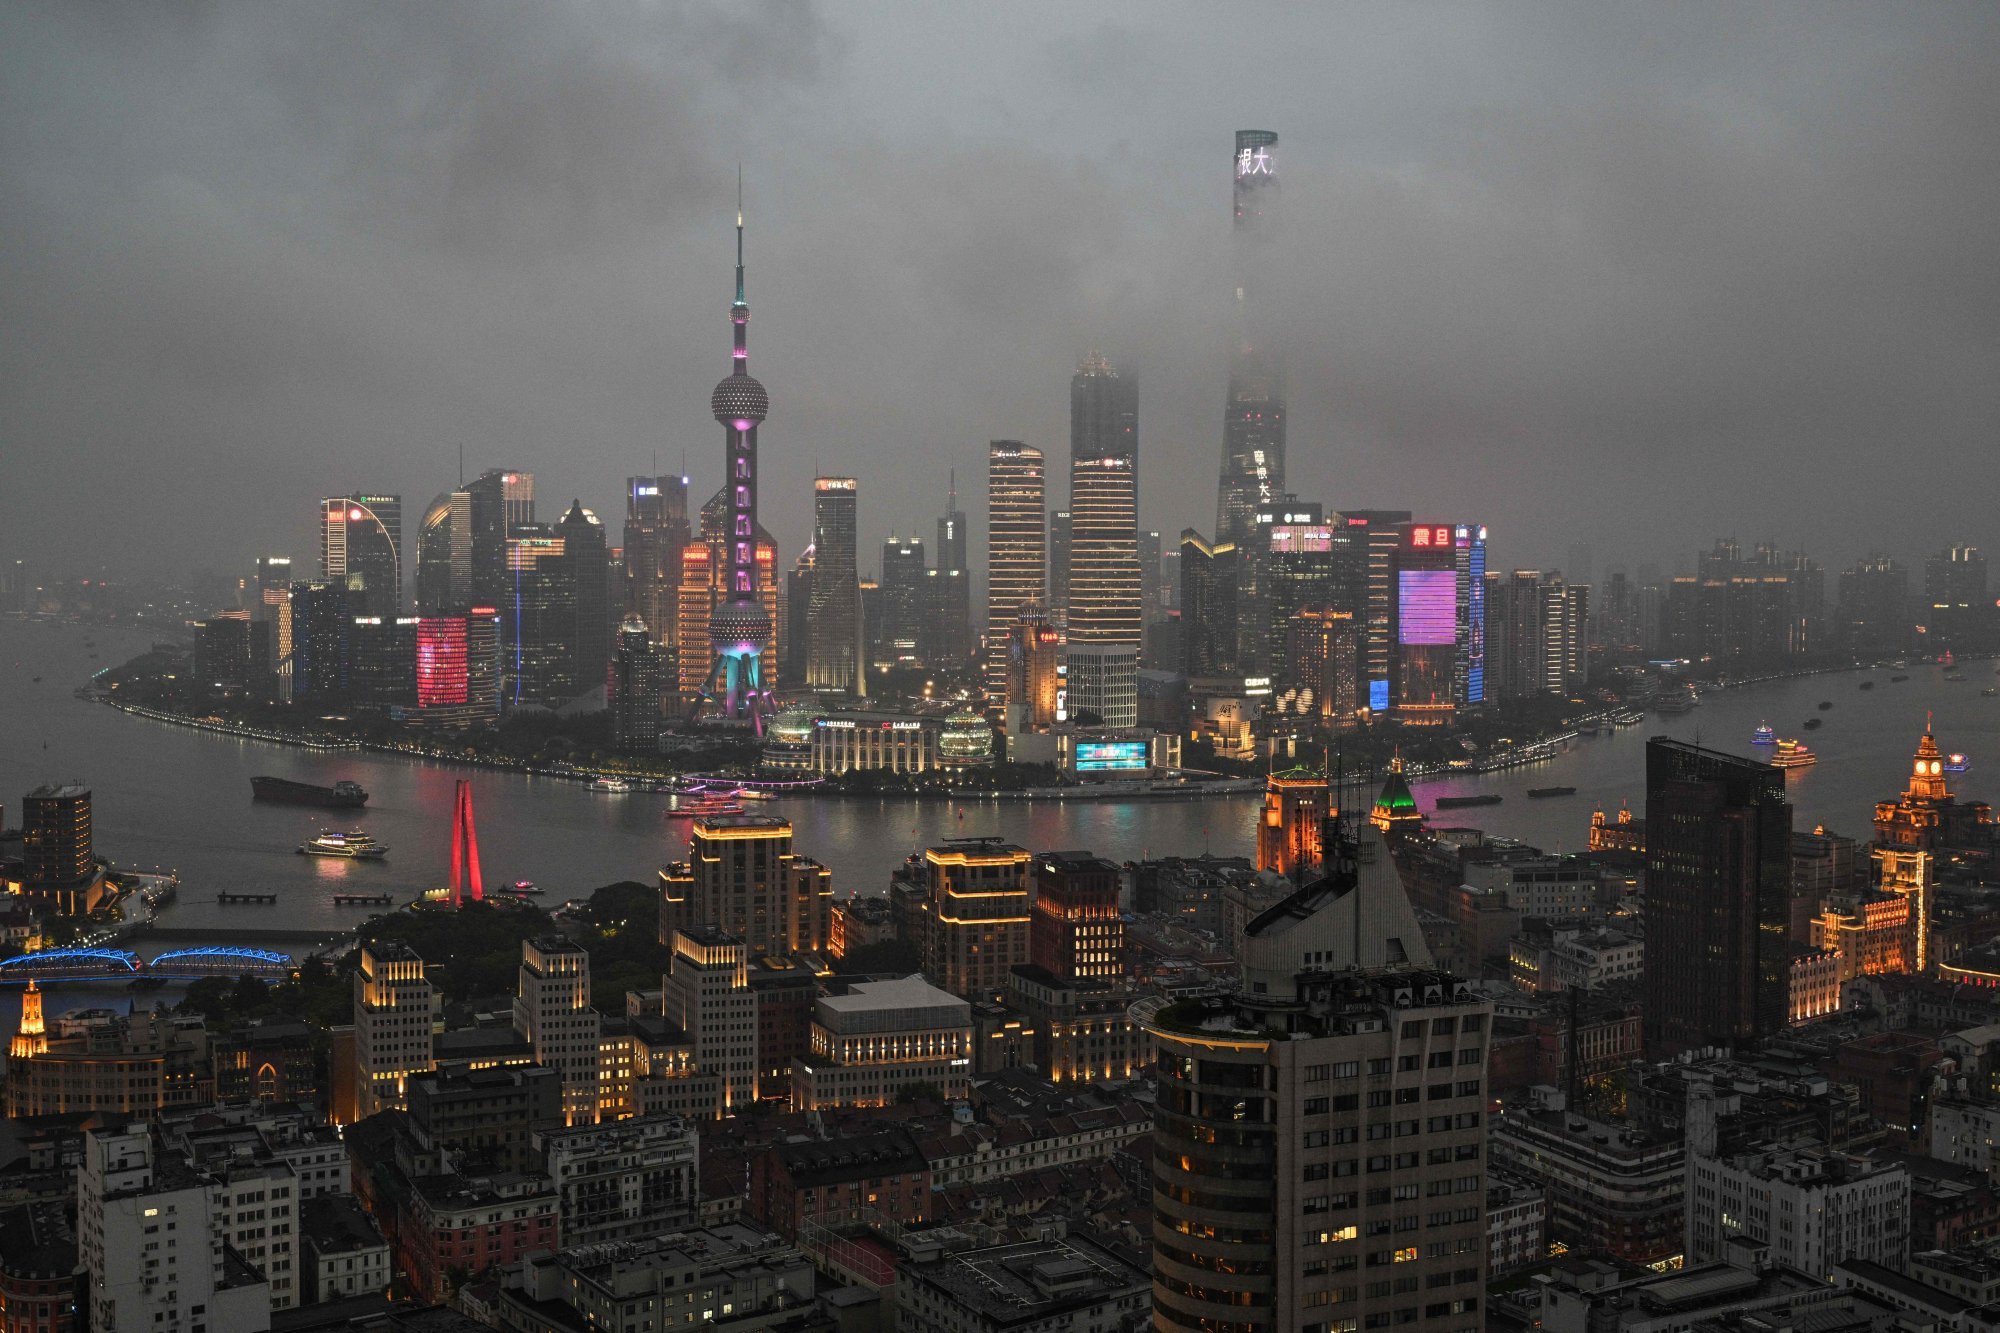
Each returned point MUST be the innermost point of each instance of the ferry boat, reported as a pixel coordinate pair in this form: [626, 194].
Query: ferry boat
[703, 804]
[354, 845]
[1682, 700]
[1956, 763]
[1793, 754]
[1765, 734]
[1630, 717]
[610, 785]
[340, 796]
[522, 888]
[752, 794]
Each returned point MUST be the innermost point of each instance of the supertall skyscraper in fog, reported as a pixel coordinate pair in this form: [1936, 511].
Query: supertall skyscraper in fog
[1104, 581]
[1017, 538]
[1253, 421]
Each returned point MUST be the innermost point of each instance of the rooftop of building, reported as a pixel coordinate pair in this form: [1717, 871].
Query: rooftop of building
[1327, 1002]
[909, 996]
[1966, 1266]
[614, 1135]
[479, 1043]
[36, 1241]
[557, 944]
[1077, 863]
[709, 936]
[391, 951]
[337, 1224]
[742, 824]
[1686, 1294]
[1032, 1281]
[1905, 1287]
[59, 791]
[890, 1151]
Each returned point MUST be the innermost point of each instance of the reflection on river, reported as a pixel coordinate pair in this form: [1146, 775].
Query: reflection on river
[170, 796]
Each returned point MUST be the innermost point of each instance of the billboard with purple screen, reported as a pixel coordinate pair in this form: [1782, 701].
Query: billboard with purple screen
[1427, 606]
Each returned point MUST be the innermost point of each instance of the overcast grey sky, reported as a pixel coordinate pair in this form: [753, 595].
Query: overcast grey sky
[1634, 275]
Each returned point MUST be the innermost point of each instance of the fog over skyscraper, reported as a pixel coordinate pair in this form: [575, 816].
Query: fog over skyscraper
[1253, 421]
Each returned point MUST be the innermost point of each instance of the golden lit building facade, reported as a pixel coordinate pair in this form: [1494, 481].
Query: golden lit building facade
[743, 877]
[976, 915]
[1289, 828]
[1077, 930]
[396, 1013]
[876, 1038]
[1017, 534]
[1034, 683]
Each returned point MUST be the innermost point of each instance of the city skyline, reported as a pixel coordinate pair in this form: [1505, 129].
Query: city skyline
[1656, 255]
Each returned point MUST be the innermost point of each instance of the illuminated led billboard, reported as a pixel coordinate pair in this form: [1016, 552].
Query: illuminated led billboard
[1427, 606]
[1111, 756]
[442, 668]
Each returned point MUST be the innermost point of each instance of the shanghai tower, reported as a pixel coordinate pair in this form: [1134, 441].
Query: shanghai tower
[1253, 421]
[739, 626]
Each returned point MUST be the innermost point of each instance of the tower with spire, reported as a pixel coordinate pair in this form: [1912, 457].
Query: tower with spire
[32, 1038]
[739, 626]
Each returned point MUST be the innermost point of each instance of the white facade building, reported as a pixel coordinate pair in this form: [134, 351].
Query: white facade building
[1812, 1207]
[622, 1179]
[880, 1037]
[396, 1014]
[552, 1013]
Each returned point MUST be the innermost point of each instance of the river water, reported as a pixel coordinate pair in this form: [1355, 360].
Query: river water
[175, 798]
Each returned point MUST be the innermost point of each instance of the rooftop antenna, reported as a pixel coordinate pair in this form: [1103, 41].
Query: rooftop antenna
[461, 465]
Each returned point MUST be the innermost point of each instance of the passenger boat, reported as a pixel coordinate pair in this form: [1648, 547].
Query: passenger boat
[1956, 763]
[1793, 754]
[353, 845]
[1765, 734]
[704, 804]
[524, 887]
[610, 785]
[1682, 700]
[752, 794]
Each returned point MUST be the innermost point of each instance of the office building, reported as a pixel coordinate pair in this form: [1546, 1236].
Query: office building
[741, 624]
[1290, 827]
[833, 653]
[1320, 1132]
[1810, 1207]
[444, 555]
[538, 621]
[747, 1278]
[1957, 610]
[1428, 620]
[57, 858]
[708, 996]
[1323, 652]
[320, 623]
[797, 617]
[1366, 560]
[1017, 547]
[638, 682]
[273, 612]
[950, 601]
[749, 883]
[976, 914]
[1253, 423]
[880, 1037]
[1103, 682]
[656, 528]
[1718, 899]
[382, 663]
[1208, 605]
[501, 501]
[552, 1013]
[361, 550]
[134, 1203]
[1076, 930]
[905, 588]
[1062, 530]
[1104, 591]
[458, 670]
[1297, 577]
[222, 652]
[586, 584]
[1872, 608]
[396, 1013]
[1034, 682]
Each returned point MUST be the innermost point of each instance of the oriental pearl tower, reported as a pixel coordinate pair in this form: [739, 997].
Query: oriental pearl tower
[739, 627]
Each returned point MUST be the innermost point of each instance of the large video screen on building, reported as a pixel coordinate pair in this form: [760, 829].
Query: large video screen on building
[1111, 756]
[1426, 606]
[442, 667]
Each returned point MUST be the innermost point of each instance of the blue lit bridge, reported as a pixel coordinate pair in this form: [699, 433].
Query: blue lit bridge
[107, 964]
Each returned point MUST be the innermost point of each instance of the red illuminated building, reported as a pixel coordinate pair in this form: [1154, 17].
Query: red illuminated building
[441, 661]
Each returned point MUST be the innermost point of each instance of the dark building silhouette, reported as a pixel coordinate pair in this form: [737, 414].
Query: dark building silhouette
[639, 678]
[586, 578]
[361, 548]
[501, 500]
[1208, 605]
[1253, 420]
[444, 555]
[656, 528]
[56, 838]
[1872, 606]
[1718, 898]
[320, 624]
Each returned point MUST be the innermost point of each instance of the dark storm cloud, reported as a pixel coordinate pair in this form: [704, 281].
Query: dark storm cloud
[1634, 277]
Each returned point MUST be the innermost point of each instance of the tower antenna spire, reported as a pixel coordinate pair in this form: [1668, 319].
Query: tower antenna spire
[739, 233]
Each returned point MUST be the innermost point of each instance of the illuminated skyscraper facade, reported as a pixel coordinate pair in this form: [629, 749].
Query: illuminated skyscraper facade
[833, 656]
[361, 549]
[1253, 423]
[906, 577]
[1208, 605]
[1034, 683]
[1104, 593]
[1017, 546]
[1430, 618]
[503, 499]
[1369, 541]
[949, 598]
[656, 528]
[739, 628]
[638, 679]
[444, 555]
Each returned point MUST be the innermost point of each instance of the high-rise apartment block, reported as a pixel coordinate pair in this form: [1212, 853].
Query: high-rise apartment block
[976, 915]
[1718, 899]
[1017, 546]
[56, 846]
